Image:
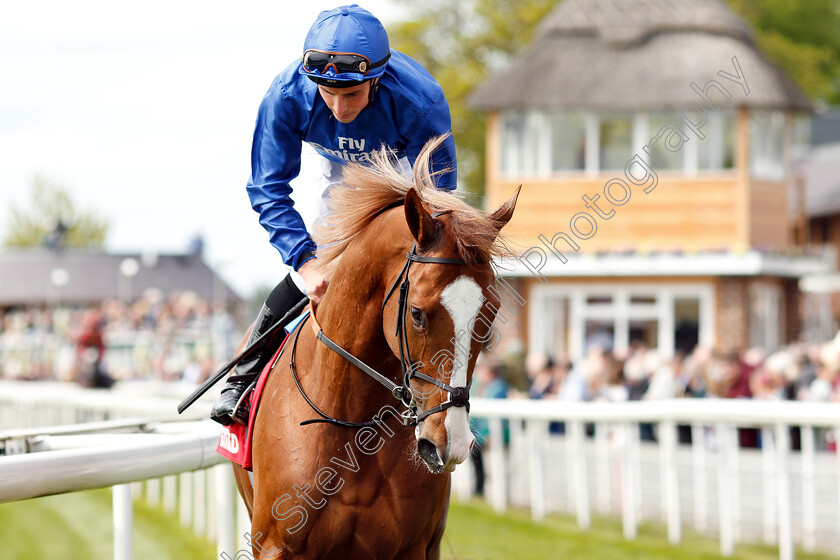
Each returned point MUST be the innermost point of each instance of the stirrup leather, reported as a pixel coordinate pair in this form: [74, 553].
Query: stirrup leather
[242, 410]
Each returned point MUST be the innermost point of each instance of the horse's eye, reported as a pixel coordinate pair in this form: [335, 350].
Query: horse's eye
[419, 317]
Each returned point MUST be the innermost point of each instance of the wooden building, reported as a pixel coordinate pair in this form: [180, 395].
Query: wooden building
[654, 142]
[818, 212]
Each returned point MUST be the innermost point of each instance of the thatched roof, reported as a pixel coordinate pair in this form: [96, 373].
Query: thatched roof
[636, 55]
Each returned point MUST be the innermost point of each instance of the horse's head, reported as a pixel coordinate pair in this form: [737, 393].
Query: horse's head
[443, 308]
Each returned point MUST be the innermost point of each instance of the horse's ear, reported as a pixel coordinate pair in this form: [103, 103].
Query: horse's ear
[423, 227]
[504, 212]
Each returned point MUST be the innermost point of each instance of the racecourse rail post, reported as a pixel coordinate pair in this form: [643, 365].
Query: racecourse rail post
[123, 521]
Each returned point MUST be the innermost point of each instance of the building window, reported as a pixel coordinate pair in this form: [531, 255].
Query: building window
[553, 337]
[525, 143]
[661, 158]
[538, 143]
[665, 317]
[717, 149]
[568, 142]
[766, 316]
[766, 144]
[616, 142]
[686, 324]
[818, 321]
[513, 139]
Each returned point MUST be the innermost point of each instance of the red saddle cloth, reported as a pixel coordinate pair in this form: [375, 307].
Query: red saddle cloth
[235, 440]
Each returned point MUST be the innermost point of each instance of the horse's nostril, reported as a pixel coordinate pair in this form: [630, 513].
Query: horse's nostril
[428, 451]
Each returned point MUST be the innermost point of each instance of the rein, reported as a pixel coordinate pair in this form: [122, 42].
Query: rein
[458, 396]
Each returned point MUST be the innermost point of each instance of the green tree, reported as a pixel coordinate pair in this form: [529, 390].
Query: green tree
[52, 218]
[802, 37]
[461, 44]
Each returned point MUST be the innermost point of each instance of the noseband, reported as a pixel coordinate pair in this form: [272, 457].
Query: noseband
[458, 396]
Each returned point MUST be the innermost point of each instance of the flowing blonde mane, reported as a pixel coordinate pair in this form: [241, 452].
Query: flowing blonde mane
[367, 190]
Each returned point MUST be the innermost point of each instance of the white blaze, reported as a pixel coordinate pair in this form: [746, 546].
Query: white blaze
[462, 299]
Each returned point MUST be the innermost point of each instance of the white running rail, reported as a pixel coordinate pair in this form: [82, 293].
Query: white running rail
[773, 494]
[780, 493]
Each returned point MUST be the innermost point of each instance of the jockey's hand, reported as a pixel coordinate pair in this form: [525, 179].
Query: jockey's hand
[313, 277]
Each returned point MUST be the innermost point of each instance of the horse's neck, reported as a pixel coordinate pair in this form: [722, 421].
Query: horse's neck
[351, 315]
[352, 318]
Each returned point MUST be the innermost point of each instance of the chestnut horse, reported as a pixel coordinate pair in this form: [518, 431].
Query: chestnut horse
[408, 307]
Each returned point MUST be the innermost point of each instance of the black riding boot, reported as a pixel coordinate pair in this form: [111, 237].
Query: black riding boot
[283, 298]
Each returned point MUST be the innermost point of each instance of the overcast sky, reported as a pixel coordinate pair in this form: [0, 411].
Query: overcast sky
[145, 111]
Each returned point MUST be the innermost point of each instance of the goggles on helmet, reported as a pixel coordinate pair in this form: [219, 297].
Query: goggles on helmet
[342, 63]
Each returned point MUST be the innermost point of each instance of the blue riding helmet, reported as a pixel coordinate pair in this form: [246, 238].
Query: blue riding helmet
[344, 47]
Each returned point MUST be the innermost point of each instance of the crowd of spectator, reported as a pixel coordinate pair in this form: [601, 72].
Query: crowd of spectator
[181, 336]
[795, 372]
[175, 337]
[803, 372]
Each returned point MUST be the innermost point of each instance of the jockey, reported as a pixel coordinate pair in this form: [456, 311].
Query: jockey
[347, 96]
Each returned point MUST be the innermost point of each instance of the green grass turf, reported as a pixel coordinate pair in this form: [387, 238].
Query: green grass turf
[474, 531]
[79, 526]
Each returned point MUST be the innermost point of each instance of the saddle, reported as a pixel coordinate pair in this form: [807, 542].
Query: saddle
[235, 440]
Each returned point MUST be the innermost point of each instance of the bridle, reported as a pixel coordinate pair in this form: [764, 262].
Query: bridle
[458, 396]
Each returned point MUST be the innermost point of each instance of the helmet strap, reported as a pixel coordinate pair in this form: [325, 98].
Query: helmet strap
[374, 85]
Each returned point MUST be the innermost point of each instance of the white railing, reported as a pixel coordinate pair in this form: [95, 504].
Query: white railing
[98, 461]
[776, 494]
[793, 495]
[172, 462]
[28, 404]
[72, 463]
[128, 353]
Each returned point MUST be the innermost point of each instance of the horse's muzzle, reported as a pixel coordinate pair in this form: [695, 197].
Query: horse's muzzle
[428, 452]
